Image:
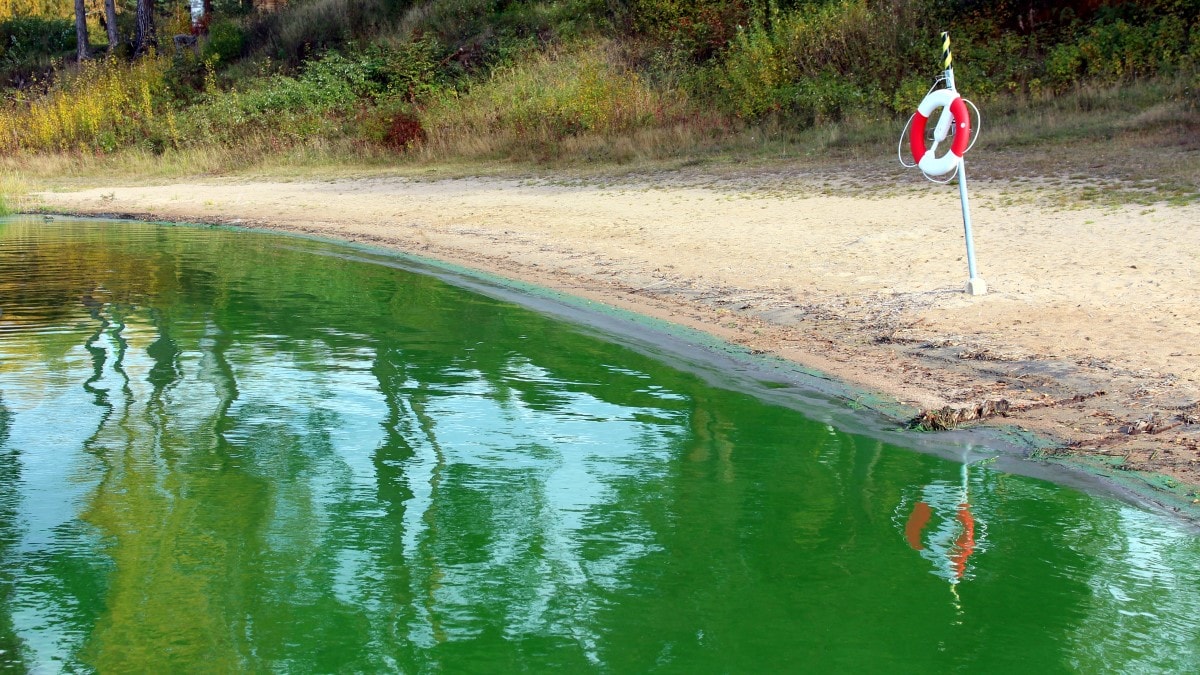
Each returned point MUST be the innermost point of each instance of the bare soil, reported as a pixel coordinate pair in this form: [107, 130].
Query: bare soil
[1089, 334]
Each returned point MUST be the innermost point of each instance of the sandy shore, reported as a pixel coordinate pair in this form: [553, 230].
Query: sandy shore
[865, 284]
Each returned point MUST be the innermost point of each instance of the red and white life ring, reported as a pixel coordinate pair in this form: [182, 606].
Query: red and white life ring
[942, 98]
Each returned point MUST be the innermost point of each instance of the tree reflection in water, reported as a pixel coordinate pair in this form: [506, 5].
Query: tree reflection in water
[250, 453]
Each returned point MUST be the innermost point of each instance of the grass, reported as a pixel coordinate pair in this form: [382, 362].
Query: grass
[579, 87]
[13, 194]
[102, 105]
[1137, 143]
[577, 105]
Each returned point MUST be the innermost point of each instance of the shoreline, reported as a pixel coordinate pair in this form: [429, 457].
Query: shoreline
[863, 289]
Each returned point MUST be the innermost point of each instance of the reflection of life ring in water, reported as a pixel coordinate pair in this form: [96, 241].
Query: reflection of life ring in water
[916, 523]
[964, 543]
[941, 527]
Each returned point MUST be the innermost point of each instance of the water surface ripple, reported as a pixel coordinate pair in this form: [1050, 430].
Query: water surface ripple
[229, 451]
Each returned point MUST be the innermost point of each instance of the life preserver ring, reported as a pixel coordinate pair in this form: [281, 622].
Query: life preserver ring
[942, 98]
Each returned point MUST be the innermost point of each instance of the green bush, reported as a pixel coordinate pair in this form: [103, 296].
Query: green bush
[695, 30]
[450, 21]
[909, 94]
[1113, 50]
[846, 56]
[22, 37]
[829, 60]
[306, 29]
[30, 46]
[410, 70]
[316, 102]
[226, 42]
[536, 103]
[1064, 65]
[488, 77]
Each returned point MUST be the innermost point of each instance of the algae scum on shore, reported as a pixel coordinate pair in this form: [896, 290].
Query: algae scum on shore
[261, 452]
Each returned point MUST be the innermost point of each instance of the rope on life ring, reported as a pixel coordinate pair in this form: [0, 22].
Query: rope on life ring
[926, 161]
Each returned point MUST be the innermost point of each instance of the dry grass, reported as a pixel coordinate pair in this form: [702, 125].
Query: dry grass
[584, 104]
[98, 106]
[14, 193]
[1135, 144]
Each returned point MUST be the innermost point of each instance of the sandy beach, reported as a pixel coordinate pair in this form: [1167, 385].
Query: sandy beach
[1089, 334]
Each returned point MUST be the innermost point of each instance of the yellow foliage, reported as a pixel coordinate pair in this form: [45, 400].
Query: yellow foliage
[95, 107]
[179, 23]
[61, 8]
[550, 97]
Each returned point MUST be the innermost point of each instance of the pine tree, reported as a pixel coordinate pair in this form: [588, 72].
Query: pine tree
[81, 31]
[144, 40]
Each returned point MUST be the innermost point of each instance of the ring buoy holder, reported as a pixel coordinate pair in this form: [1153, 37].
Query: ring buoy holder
[954, 119]
[926, 160]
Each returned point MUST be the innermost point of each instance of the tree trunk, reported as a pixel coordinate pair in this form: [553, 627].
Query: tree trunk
[110, 15]
[81, 33]
[144, 40]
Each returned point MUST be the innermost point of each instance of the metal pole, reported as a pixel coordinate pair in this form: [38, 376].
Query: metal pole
[975, 285]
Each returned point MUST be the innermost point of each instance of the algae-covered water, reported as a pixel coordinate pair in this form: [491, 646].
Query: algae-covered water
[230, 451]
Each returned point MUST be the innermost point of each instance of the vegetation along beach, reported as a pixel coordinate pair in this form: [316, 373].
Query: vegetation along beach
[727, 166]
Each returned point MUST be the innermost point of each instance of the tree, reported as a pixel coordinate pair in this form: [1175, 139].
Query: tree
[81, 31]
[110, 16]
[144, 39]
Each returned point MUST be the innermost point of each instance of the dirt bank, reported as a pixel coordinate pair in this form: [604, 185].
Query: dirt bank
[860, 282]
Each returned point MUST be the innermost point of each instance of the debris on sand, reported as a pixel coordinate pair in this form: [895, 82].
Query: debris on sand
[947, 417]
[1149, 425]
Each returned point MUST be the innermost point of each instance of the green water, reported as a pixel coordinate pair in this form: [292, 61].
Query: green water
[227, 451]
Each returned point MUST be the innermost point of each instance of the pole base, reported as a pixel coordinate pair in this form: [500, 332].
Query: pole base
[976, 286]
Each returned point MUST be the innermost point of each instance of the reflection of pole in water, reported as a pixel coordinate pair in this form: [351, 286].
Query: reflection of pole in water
[965, 544]
[951, 540]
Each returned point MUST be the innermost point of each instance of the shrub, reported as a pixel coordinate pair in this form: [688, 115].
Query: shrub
[450, 21]
[1064, 64]
[827, 60]
[395, 126]
[24, 36]
[29, 47]
[822, 62]
[1116, 49]
[226, 42]
[909, 94]
[537, 102]
[284, 107]
[409, 70]
[306, 29]
[103, 105]
[696, 30]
